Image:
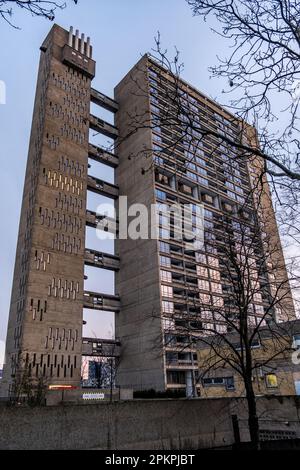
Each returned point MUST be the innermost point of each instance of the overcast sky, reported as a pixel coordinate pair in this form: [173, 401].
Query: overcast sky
[121, 31]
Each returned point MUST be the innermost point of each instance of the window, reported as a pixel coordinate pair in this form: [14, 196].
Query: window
[208, 329]
[271, 381]
[231, 194]
[202, 284]
[254, 345]
[200, 257]
[211, 249]
[167, 291]
[214, 274]
[240, 199]
[157, 138]
[200, 160]
[217, 381]
[202, 181]
[208, 224]
[152, 73]
[222, 329]
[190, 165]
[165, 276]
[251, 320]
[170, 340]
[176, 377]
[171, 358]
[205, 298]
[168, 324]
[218, 301]
[296, 341]
[215, 287]
[208, 214]
[202, 171]
[164, 233]
[154, 109]
[157, 148]
[152, 89]
[160, 194]
[168, 307]
[219, 316]
[229, 383]
[213, 381]
[257, 297]
[158, 160]
[202, 271]
[164, 247]
[212, 261]
[154, 99]
[165, 261]
[209, 236]
[191, 175]
[206, 315]
[229, 185]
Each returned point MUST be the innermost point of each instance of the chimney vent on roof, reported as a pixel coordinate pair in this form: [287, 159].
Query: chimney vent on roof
[70, 42]
[76, 40]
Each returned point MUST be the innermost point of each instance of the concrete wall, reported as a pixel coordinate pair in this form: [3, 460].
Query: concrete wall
[138, 324]
[139, 424]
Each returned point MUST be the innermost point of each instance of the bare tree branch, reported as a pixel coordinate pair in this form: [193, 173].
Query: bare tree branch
[41, 8]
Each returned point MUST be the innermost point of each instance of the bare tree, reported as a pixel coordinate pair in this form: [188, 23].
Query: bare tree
[26, 387]
[244, 299]
[261, 69]
[42, 8]
[263, 75]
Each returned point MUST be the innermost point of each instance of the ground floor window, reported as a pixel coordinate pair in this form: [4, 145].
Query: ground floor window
[271, 381]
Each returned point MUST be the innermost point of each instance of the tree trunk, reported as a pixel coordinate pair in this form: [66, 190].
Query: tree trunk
[252, 414]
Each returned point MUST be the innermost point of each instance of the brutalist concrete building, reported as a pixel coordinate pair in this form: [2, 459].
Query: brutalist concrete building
[161, 283]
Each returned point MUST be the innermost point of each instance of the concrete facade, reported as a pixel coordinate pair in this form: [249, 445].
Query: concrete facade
[162, 286]
[274, 372]
[44, 335]
[168, 291]
[46, 309]
[139, 322]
